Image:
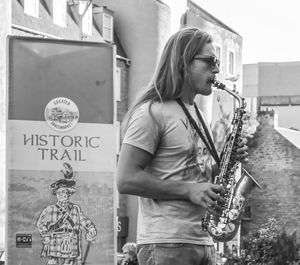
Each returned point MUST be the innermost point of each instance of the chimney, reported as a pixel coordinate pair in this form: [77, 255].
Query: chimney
[267, 117]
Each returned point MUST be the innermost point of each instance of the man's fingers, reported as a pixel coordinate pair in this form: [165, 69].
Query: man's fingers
[242, 155]
[243, 141]
[216, 197]
[242, 149]
[218, 189]
[213, 211]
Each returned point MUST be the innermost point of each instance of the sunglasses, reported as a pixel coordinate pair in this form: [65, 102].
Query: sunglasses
[211, 60]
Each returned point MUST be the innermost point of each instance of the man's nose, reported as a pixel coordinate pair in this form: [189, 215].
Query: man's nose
[216, 69]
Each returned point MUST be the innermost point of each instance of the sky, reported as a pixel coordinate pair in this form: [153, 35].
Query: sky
[270, 28]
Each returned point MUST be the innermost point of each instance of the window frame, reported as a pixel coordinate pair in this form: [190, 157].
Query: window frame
[118, 84]
[104, 27]
[218, 45]
[230, 51]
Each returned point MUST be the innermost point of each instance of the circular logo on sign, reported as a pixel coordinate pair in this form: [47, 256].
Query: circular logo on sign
[61, 114]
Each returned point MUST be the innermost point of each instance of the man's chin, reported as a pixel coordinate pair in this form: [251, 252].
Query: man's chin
[207, 92]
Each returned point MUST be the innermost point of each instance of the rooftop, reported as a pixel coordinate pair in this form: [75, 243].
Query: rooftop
[292, 136]
[207, 16]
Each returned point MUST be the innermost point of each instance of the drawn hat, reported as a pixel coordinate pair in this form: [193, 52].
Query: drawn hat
[66, 182]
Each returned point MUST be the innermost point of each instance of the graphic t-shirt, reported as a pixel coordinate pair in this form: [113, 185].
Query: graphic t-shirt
[178, 154]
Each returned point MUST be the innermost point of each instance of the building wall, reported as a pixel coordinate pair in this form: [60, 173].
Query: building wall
[228, 40]
[122, 105]
[274, 86]
[250, 80]
[275, 163]
[271, 79]
[143, 27]
[279, 79]
[44, 23]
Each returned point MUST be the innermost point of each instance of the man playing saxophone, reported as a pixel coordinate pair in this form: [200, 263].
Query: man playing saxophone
[159, 155]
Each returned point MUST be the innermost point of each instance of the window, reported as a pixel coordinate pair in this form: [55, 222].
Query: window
[218, 51]
[107, 29]
[31, 7]
[219, 55]
[87, 22]
[118, 85]
[60, 12]
[231, 63]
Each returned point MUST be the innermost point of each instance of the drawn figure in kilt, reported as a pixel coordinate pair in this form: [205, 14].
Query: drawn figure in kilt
[61, 225]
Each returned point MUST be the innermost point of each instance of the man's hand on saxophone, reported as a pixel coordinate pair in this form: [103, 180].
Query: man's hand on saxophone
[207, 195]
[241, 153]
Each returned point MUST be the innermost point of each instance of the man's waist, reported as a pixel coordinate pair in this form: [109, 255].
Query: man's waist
[65, 230]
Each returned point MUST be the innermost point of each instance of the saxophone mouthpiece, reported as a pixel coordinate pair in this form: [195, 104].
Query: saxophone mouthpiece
[217, 84]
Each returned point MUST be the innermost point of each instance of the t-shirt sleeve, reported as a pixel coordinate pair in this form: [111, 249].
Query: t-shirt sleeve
[143, 129]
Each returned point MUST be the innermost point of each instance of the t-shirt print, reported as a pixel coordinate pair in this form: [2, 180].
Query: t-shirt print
[198, 161]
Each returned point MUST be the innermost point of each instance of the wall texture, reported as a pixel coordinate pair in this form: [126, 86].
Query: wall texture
[143, 28]
[122, 106]
[275, 163]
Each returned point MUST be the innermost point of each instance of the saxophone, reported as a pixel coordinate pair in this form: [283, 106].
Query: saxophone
[224, 227]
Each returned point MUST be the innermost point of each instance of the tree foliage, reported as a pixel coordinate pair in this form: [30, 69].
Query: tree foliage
[270, 245]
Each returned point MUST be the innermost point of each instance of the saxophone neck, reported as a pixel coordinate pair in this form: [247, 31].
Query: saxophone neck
[241, 100]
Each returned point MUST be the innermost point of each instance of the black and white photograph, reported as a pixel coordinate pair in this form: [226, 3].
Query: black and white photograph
[149, 132]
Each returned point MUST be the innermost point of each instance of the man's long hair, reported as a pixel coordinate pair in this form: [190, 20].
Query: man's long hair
[172, 71]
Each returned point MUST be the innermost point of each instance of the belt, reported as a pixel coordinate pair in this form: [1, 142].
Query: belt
[65, 230]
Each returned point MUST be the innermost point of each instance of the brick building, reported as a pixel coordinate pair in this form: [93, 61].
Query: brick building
[275, 162]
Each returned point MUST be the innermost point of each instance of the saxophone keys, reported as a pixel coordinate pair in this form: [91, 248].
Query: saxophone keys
[233, 214]
[230, 227]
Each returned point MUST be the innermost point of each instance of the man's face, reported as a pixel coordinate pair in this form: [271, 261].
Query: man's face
[202, 72]
[62, 194]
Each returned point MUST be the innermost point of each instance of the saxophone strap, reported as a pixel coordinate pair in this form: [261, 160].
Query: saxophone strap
[210, 145]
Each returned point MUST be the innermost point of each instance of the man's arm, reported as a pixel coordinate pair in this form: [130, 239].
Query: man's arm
[133, 179]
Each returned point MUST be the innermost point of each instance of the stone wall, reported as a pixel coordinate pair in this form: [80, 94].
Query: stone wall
[275, 163]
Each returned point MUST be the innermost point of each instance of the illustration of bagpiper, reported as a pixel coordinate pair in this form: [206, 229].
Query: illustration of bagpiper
[60, 225]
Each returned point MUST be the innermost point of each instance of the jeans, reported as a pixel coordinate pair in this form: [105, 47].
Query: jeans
[176, 254]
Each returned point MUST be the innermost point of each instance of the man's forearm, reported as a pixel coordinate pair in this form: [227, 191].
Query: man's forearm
[146, 185]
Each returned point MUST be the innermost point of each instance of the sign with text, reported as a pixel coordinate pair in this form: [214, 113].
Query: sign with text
[60, 152]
